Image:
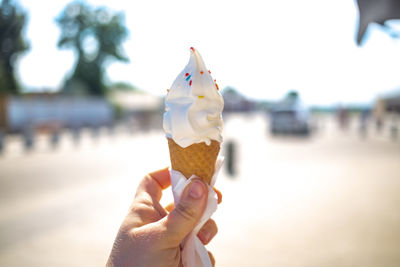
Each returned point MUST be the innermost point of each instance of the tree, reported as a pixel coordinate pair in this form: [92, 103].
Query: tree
[293, 94]
[96, 36]
[12, 44]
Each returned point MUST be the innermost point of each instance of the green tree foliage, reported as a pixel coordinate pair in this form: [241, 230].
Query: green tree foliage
[96, 35]
[294, 95]
[12, 44]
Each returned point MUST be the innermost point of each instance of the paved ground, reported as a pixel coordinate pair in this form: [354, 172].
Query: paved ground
[331, 200]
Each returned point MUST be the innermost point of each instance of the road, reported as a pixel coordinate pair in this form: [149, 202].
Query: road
[330, 200]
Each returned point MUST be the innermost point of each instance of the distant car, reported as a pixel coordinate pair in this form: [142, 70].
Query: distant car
[290, 121]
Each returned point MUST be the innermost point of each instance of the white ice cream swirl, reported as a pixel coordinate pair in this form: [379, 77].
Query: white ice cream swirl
[193, 105]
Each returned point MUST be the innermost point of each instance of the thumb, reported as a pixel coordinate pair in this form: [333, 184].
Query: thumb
[183, 219]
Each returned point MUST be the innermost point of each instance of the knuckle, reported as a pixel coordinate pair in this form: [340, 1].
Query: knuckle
[186, 211]
[140, 209]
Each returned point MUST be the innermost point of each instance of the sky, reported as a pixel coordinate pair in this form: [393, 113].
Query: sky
[261, 48]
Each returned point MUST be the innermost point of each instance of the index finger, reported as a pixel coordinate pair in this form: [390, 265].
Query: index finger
[161, 177]
[153, 183]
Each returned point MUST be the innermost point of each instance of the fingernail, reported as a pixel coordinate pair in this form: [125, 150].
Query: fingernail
[196, 189]
[206, 236]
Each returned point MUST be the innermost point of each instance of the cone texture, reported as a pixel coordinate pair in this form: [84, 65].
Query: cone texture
[197, 159]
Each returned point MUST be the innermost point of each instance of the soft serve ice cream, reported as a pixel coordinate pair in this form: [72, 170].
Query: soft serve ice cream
[193, 105]
[193, 126]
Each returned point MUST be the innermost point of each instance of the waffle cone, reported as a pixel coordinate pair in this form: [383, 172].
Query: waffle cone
[197, 159]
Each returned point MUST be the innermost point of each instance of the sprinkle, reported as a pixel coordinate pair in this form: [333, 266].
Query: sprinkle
[215, 80]
[216, 85]
[201, 96]
[201, 72]
[192, 49]
[209, 71]
[188, 77]
[190, 83]
[186, 74]
[168, 90]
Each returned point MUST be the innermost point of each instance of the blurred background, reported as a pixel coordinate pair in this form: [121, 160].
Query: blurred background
[311, 140]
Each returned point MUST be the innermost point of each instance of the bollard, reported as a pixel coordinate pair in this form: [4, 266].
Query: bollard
[29, 139]
[111, 129]
[54, 139]
[231, 158]
[394, 132]
[379, 125]
[394, 128]
[95, 131]
[76, 135]
[2, 141]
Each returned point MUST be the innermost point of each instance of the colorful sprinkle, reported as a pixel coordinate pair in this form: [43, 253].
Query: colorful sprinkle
[201, 96]
[192, 49]
[186, 74]
[190, 83]
[201, 72]
[188, 77]
[209, 71]
[216, 85]
[168, 90]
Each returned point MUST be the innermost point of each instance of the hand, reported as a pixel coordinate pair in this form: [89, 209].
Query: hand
[149, 235]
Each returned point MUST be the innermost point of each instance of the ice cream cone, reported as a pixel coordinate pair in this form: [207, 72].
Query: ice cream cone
[197, 159]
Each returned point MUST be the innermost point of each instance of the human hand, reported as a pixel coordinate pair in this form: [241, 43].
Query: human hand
[149, 235]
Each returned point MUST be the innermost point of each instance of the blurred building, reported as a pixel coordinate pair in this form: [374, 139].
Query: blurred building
[392, 103]
[386, 113]
[52, 111]
[290, 116]
[388, 103]
[139, 108]
[235, 101]
[134, 101]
